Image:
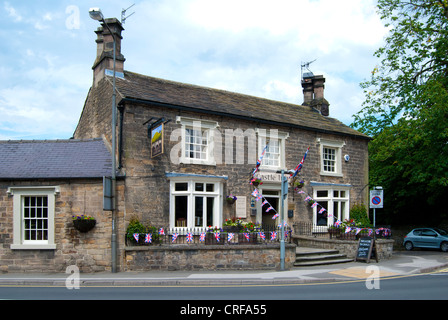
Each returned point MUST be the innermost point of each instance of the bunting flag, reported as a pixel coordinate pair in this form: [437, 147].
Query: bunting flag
[230, 236]
[161, 231]
[259, 161]
[202, 236]
[189, 237]
[300, 165]
[174, 237]
[337, 223]
[270, 208]
[246, 235]
[255, 193]
[358, 230]
[370, 232]
[148, 238]
[262, 235]
[348, 229]
[217, 236]
[265, 202]
[273, 235]
[301, 192]
[322, 210]
[308, 198]
[275, 216]
[314, 205]
[136, 235]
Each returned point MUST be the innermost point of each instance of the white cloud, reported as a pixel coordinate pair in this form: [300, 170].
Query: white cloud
[12, 12]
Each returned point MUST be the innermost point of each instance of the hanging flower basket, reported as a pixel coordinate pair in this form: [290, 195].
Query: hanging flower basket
[230, 199]
[256, 182]
[83, 223]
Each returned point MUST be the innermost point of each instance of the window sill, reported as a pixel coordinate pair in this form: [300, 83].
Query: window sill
[331, 174]
[200, 162]
[33, 246]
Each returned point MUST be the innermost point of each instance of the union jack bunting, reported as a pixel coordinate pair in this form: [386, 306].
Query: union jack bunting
[337, 223]
[301, 192]
[202, 236]
[255, 193]
[189, 237]
[275, 216]
[174, 237]
[148, 238]
[259, 197]
[358, 230]
[300, 165]
[307, 198]
[259, 161]
[322, 210]
[262, 235]
[230, 236]
[217, 236]
[136, 235]
[161, 231]
[370, 232]
[269, 209]
[314, 205]
[264, 202]
[246, 235]
[348, 229]
[273, 235]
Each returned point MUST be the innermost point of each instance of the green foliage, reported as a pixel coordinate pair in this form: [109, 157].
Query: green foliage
[135, 226]
[406, 109]
[359, 214]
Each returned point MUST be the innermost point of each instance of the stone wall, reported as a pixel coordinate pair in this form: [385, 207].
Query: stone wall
[384, 247]
[207, 257]
[89, 251]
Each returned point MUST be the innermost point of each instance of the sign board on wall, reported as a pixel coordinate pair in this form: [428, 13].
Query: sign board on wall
[156, 140]
[241, 207]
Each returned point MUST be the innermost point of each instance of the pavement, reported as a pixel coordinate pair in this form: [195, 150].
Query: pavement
[402, 263]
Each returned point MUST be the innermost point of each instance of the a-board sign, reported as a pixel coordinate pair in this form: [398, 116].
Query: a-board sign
[366, 249]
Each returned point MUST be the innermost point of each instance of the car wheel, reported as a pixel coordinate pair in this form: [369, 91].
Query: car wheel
[408, 245]
[444, 246]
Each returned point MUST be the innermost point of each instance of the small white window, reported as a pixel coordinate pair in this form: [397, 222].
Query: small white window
[33, 217]
[197, 141]
[274, 157]
[330, 154]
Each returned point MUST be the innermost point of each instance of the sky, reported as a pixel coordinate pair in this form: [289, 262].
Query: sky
[254, 47]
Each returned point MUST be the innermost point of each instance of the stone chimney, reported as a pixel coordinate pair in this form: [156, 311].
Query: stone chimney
[313, 93]
[104, 62]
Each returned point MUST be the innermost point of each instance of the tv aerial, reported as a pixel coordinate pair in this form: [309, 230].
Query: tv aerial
[123, 14]
[306, 65]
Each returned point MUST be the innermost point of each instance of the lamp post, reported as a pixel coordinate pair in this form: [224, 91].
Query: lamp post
[96, 14]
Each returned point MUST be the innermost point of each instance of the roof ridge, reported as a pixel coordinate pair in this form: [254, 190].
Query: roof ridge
[50, 140]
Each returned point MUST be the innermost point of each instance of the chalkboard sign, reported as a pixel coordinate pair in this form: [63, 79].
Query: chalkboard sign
[366, 249]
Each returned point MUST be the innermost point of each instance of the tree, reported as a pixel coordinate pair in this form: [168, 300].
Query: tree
[406, 110]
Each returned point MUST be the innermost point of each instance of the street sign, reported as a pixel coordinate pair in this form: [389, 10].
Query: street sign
[376, 199]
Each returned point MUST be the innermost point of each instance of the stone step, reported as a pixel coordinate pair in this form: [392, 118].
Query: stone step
[315, 257]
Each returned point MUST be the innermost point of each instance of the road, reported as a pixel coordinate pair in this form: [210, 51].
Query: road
[432, 286]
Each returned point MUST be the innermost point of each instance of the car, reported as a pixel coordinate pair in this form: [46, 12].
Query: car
[426, 238]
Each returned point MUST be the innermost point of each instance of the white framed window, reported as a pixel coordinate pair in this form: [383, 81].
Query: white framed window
[197, 141]
[33, 217]
[274, 157]
[335, 199]
[331, 157]
[195, 202]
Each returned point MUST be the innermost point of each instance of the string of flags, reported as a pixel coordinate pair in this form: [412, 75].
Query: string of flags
[217, 235]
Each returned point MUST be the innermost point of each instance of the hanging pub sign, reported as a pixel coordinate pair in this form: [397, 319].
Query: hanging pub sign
[155, 134]
[157, 140]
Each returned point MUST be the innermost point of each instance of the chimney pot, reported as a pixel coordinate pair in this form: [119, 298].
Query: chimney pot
[313, 93]
[105, 44]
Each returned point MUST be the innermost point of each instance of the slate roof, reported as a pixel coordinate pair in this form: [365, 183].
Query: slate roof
[47, 159]
[145, 89]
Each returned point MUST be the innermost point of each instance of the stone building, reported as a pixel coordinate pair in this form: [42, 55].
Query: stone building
[178, 177]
